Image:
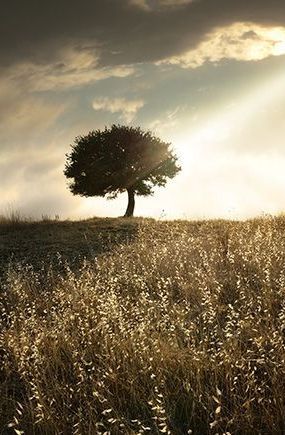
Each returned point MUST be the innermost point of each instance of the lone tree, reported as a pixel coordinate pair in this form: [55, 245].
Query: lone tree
[108, 162]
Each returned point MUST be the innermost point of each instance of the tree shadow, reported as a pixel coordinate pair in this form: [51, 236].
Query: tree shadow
[55, 244]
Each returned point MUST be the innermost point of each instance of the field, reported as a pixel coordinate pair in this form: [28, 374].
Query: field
[136, 326]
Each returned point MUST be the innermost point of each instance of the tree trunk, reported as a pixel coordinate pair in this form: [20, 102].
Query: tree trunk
[131, 203]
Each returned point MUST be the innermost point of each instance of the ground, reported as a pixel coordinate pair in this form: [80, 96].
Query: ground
[137, 326]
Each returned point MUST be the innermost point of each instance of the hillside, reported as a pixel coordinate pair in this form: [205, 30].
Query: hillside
[46, 242]
[166, 327]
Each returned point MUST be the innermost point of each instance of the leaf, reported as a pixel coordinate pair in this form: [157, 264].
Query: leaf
[107, 411]
[218, 410]
[213, 424]
[216, 399]
[219, 393]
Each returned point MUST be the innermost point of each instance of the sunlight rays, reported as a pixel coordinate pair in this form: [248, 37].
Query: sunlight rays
[227, 178]
[230, 119]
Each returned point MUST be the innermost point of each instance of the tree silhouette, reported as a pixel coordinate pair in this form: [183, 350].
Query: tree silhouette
[108, 162]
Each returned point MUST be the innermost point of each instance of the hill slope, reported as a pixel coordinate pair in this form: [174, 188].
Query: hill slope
[41, 243]
[178, 328]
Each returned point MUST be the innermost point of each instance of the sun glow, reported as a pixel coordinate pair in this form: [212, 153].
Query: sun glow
[230, 118]
[221, 180]
[279, 48]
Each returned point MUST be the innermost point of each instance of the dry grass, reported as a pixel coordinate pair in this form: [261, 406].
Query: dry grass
[42, 242]
[179, 331]
[13, 218]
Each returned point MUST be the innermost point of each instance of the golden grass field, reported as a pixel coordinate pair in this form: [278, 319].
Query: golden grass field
[165, 328]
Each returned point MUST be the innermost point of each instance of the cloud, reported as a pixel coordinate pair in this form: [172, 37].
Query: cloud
[166, 123]
[32, 179]
[149, 5]
[142, 4]
[70, 67]
[241, 41]
[127, 108]
[118, 33]
[27, 120]
[175, 2]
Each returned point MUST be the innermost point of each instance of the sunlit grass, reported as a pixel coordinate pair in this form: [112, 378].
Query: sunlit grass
[178, 331]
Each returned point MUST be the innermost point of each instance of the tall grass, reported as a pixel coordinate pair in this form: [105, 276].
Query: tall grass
[180, 331]
[13, 217]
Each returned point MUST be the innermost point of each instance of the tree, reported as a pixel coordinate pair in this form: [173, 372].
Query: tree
[120, 158]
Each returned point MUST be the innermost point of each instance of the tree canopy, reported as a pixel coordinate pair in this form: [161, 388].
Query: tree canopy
[120, 158]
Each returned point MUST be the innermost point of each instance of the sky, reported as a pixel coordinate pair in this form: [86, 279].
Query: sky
[206, 75]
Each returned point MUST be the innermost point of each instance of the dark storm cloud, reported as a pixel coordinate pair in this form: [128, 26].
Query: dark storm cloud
[122, 31]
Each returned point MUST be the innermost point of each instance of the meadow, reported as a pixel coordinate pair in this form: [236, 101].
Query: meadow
[137, 326]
